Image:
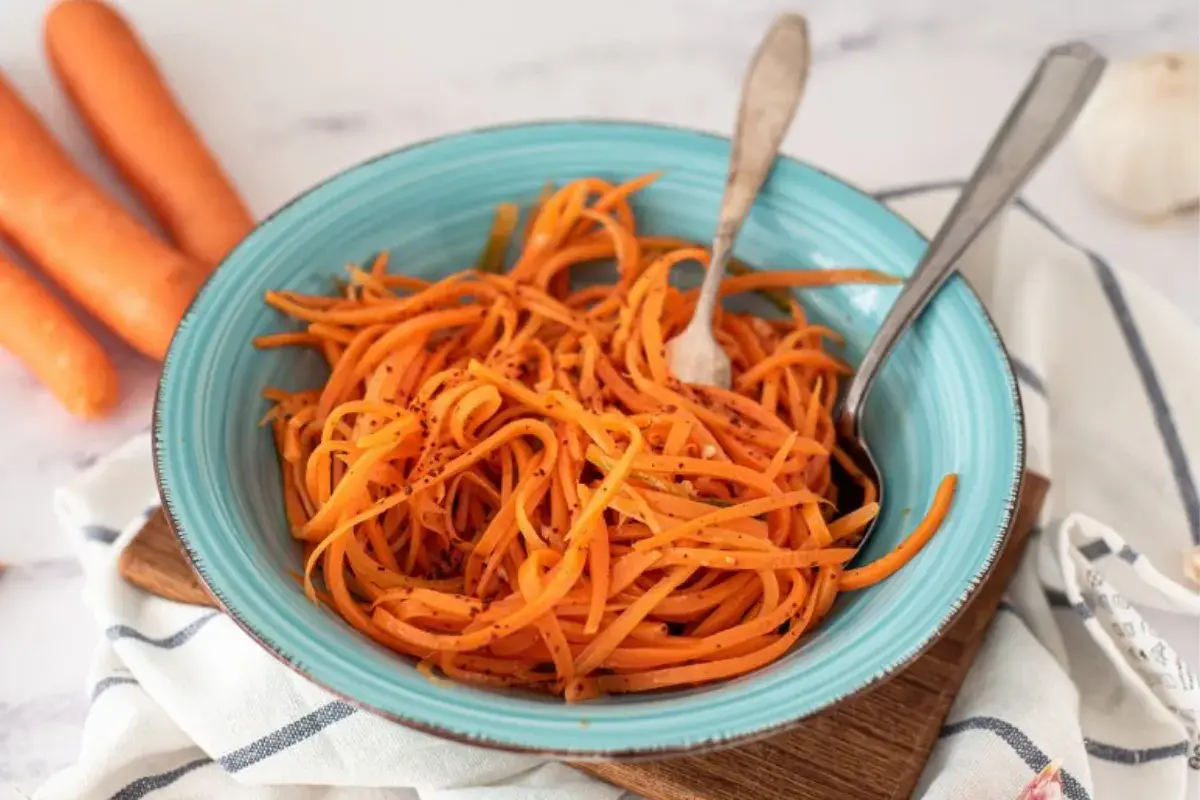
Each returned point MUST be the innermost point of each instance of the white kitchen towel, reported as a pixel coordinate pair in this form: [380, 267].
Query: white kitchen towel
[184, 705]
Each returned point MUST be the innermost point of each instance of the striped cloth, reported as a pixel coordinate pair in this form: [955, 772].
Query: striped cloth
[184, 705]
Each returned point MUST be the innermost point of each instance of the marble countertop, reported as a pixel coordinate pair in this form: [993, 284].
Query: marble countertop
[902, 92]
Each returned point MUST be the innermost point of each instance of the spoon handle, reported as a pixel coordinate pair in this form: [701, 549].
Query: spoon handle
[1045, 110]
[771, 92]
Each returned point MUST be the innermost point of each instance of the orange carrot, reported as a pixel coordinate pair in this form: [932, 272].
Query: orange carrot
[42, 333]
[130, 110]
[89, 245]
[903, 553]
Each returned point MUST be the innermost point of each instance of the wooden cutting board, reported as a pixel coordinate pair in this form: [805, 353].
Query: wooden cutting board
[872, 747]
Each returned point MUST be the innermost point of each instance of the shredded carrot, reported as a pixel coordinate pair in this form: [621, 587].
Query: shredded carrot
[878, 570]
[501, 477]
[503, 227]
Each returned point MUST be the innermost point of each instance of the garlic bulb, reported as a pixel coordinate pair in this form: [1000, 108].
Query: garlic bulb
[1138, 139]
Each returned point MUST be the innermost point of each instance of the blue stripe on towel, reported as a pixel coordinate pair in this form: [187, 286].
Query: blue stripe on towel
[1096, 548]
[1055, 598]
[1021, 744]
[152, 783]
[283, 738]
[104, 684]
[116, 632]
[1180, 468]
[896, 192]
[99, 533]
[1131, 757]
[1026, 375]
[271, 744]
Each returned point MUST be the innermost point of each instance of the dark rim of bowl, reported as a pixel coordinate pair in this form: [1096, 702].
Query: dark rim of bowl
[636, 753]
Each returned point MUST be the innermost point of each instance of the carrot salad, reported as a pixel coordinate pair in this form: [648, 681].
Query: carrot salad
[502, 479]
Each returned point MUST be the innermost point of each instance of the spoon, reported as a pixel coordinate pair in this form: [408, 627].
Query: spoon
[1047, 106]
[771, 91]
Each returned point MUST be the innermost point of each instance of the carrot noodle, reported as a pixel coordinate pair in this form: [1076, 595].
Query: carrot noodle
[501, 477]
[503, 227]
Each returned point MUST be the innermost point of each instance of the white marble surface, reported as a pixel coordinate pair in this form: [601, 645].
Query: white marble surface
[901, 92]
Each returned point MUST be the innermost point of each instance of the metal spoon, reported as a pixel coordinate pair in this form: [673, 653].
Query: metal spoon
[771, 91]
[1045, 110]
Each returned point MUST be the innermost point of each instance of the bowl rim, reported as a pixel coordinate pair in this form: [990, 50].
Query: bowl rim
[630, 754]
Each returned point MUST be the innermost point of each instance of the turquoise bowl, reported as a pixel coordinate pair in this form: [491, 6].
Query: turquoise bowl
[947, 401]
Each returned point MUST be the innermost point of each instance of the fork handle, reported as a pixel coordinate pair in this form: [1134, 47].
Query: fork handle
[1045, 110]
[771, 92]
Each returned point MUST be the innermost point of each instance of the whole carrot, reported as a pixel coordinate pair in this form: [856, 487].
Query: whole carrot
[124, 100]
[42, 333]
[133, 282]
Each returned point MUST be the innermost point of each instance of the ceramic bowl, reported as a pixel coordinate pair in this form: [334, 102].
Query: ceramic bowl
[946, 402]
